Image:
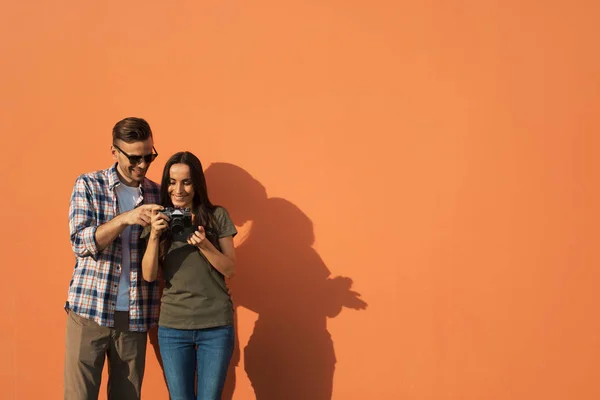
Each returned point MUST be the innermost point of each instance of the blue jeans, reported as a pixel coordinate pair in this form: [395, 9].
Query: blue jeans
[205, 351]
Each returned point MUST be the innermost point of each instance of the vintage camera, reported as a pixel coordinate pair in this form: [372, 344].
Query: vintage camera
[180, 223]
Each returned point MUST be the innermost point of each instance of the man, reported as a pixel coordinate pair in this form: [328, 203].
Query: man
[110, 307]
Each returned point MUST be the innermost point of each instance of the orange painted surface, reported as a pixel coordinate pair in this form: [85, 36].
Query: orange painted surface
[441, 156]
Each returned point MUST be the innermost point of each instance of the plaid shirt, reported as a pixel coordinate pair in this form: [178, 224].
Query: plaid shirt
[94, 286]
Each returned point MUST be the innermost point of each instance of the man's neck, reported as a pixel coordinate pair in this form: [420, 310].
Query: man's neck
[125, 182]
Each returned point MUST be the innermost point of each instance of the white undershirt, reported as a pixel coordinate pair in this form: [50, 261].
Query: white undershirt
[127, 197]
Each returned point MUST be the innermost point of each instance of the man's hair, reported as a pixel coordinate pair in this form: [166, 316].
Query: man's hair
[132, 130]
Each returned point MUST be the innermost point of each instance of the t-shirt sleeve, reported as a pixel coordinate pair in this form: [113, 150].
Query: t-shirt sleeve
[224, 223]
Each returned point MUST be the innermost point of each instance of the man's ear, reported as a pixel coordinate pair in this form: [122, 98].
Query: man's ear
[113, 151]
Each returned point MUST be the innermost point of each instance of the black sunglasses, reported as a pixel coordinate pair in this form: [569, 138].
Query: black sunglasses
[135, 160]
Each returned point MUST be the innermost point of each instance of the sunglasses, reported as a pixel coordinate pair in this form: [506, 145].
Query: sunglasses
[135, 160]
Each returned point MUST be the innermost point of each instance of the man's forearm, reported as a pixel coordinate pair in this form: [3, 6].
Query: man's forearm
[109, 231]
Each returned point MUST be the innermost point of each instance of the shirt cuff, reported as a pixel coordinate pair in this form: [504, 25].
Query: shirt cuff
[88, 236]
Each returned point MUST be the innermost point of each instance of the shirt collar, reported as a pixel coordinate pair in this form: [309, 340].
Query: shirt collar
[113, 178]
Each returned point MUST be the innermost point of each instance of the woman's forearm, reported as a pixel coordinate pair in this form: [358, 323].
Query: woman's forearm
[218, 260]
[150, 260]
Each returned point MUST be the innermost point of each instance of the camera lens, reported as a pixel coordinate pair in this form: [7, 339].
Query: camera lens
[177, 226]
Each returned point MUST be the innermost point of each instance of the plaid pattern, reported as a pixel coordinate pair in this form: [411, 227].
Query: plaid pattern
[94, 286]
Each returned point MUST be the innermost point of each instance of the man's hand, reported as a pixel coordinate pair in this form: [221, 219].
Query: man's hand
[109, 231]
[141, 215]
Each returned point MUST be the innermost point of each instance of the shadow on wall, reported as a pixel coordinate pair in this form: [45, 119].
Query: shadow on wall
[290, 354]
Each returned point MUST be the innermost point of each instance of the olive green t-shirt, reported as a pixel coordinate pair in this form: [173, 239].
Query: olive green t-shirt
[195, 295]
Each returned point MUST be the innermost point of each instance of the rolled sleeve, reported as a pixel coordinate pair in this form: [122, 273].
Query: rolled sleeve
[84, 244]
[82, 221]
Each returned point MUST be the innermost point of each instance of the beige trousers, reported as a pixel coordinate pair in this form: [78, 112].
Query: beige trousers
[88, 344]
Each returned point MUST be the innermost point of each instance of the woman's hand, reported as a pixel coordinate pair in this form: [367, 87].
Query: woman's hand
[198, 238]
[159, 223]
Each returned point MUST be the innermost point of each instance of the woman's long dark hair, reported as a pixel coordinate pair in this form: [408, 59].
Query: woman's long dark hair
[201, 204]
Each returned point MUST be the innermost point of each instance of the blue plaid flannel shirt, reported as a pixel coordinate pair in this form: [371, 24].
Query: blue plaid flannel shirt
[94, 286]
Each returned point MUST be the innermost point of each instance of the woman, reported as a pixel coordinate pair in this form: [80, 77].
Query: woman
[195, 333]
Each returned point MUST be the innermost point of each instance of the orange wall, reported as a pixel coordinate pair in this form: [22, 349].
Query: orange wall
[442, 153]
